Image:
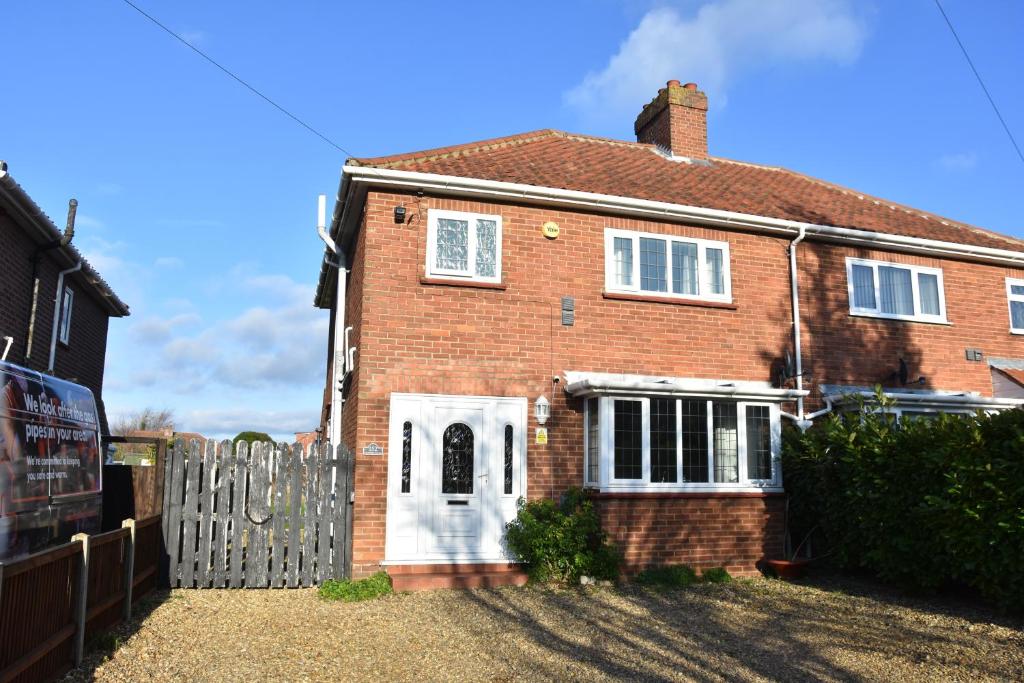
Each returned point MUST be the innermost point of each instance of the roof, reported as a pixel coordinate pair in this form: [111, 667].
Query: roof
[1014, 374]
[556, 159]
[28, 214]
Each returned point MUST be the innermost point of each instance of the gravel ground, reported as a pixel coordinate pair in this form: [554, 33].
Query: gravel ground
[835, 629]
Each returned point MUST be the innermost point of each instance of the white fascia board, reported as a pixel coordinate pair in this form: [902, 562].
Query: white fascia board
[586, 384]
[456, 185]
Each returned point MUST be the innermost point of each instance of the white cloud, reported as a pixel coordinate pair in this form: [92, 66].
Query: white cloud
[963, 161]
[84, 220]
[154, 330]
[168, 262]
[721, 41]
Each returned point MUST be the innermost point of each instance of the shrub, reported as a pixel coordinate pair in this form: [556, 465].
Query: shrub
[715, 575]
[347, 590]
[251, 438]
[920, 503]
[561, 542]
[672, 575]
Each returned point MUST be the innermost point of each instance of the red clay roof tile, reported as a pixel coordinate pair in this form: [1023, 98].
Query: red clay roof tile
[551, 158]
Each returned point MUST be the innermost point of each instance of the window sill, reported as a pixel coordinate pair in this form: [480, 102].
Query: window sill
[900, 319]
[646, 298]
[648, 495]
[453, 282]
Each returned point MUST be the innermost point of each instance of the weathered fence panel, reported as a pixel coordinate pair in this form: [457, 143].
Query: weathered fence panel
[107, 590]
[261, 516]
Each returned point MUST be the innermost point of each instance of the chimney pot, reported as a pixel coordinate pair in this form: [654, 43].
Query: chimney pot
[676, 120]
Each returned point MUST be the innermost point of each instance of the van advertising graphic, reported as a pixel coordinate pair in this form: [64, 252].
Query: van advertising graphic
[50, 464]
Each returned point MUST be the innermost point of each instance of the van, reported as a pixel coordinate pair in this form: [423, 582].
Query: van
[51, 469]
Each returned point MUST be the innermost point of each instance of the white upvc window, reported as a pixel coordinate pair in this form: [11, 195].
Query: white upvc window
[879, 289]
[464, 245]
[666, 266]
[681, 444]
[64, 333]
[1015, 297]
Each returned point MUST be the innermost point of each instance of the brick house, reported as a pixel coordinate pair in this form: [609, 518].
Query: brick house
[664, 309]
[56, 323]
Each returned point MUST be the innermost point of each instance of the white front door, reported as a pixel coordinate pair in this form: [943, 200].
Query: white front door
[456, 467]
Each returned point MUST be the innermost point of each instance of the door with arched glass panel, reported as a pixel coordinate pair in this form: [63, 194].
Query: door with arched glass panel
[461, 478]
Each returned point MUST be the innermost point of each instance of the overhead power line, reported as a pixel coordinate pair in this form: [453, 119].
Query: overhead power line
[240, 80]
[980, 81]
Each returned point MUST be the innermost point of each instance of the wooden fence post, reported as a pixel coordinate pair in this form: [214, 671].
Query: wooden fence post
[129, 567]
[83, 598]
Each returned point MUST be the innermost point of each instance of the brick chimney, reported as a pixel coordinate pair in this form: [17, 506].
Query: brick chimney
[676, 120]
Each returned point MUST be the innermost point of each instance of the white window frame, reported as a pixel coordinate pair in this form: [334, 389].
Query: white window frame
[67, 306]
[433, 215]
[915, 271]
[606, 463]
[1010, 298]
[703, 283]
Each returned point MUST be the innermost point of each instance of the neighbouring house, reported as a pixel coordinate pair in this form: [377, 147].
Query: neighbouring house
[526, 314]
[54, 307]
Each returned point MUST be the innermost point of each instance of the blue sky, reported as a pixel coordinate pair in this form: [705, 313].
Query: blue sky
[197, 199]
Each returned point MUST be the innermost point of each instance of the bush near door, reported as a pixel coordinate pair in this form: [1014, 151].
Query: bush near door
[922, 503]
[562, 542]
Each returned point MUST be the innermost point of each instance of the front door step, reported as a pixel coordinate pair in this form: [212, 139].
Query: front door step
[429, 577]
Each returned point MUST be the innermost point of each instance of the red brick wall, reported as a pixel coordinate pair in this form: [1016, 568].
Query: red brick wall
[414, 336]
[82, 359]
[734, 531]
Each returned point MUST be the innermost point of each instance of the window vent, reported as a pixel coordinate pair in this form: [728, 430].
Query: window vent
[568, 310]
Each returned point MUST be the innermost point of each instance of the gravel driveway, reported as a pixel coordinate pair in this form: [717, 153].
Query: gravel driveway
[749, 630]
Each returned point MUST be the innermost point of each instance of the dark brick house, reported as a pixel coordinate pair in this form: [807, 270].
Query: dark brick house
[663, 311]
[31, 251]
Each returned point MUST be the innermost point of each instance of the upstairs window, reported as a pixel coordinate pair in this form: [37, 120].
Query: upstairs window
[1015, 295]
[65, 316]
[891, 290]
[464, 245]
[663, 265]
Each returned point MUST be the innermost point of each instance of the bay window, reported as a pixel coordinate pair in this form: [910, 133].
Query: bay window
[893, 290]
[681, 443]
[666, 266]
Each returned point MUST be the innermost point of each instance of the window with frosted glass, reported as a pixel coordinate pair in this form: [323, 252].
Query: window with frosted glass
[716, 273]
[509, 448]
[623, 261]
[726, 443]
[663, 440]
[407, 457]
[1015, 293]
[457, 459]
[759, 443]
[452, 244]
[653, 277]
[684, 268]
[486, 247]
[628, 440]
[593, 439]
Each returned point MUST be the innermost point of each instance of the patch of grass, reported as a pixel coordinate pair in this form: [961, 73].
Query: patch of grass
[715, 575]
[347, 590]
[105, 642]
[669, 576]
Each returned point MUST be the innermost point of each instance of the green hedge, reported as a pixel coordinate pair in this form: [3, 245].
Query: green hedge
[562, 542]
[922, 503]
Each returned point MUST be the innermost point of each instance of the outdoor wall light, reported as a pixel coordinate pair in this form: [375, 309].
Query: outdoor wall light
[541, 410]
[399, 214]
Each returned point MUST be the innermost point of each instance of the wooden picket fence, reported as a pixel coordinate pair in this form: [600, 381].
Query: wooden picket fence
[53, 602]
[264, 516]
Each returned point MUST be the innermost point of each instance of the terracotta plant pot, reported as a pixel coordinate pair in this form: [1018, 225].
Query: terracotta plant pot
[788, 569]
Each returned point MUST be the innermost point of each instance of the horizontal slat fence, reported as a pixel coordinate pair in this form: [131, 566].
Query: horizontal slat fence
[257, 516]
[53, 601]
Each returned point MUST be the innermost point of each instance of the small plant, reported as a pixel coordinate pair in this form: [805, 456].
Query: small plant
[348, 590]
[105, 642]
[671, 576]
[562, 542]
[715, 575]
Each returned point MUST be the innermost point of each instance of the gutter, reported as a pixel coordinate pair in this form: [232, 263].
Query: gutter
[598, 386]
[455, 185]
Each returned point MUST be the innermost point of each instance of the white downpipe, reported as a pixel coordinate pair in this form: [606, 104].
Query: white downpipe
[56, 312]
[338, 333]
[795, 293]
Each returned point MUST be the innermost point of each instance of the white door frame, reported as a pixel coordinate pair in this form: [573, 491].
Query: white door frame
[413, 520]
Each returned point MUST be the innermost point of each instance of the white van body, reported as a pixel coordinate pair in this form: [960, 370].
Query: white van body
[51, 467]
